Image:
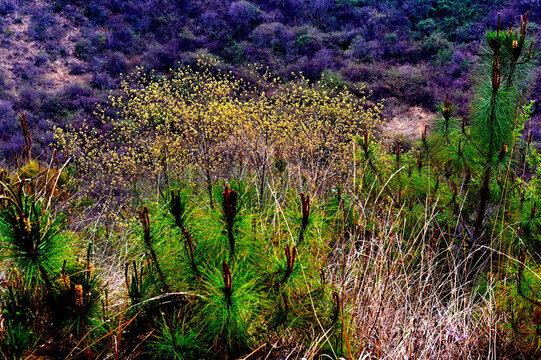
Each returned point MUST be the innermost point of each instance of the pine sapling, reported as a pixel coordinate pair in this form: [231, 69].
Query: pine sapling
[290, 261]
[178, 210]
[145, 221]
[230, 212]
[305, 211]
[226, 273]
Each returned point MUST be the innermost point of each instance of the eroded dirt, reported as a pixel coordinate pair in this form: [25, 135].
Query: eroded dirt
[18, 52]
[408, 123]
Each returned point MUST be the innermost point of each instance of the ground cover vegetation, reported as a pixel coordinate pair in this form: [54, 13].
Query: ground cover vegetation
[218, 216]
[60, 58]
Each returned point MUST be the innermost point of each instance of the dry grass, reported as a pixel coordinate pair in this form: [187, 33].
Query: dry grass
[407, 296]
[409, 307]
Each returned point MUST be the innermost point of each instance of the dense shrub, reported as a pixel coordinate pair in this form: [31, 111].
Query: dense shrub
[213, 25]
[44, 25]
[75, 97]
[165, 26]
[96, 13]
[40, 59]
[7, 7]
[207, 117]
[26, 71]
[244, 15]
[50, 107]
[102, 81]
[30, 98]
[8, 124]
[75, 91]
[116, 64]
[163, 57]
[359, 72]
[458, 64]
[122, 39]
[274, 36]
[83, 49]
[411, 83]
[77, 68]
[434, 43]
[426, 27]
[3, 84]
[309, 40]
[362, 50]
[12, 147]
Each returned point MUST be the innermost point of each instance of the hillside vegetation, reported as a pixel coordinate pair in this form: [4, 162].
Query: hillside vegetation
[60, 58]
[201, 214]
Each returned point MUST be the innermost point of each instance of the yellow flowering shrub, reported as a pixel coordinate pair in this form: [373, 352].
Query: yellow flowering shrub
[207, 123]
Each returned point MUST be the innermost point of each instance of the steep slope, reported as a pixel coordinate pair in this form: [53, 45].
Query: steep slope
[59, 58]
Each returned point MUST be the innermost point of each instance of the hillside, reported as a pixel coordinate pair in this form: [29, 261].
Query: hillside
[60, 58]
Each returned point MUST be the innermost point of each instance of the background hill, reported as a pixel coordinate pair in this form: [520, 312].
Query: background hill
[59, 58]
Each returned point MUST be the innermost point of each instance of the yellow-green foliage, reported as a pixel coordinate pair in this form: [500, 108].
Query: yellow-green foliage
[209, 122]
[519, 299]
[37, 179]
